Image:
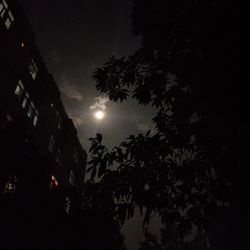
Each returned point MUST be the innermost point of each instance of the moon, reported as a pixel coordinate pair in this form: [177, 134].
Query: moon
[99, 115]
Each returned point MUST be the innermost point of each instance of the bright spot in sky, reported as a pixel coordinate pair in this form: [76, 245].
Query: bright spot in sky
[99, 114]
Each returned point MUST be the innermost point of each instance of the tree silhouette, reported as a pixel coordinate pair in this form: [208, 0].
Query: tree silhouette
[33, 213]
[172, 239]
[195, 163]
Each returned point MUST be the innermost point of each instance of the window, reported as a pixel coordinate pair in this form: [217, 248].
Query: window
[59, 156]
[25, 99]
[71, 178]
[35, 119]
[51, 143]
[6, 14]
[31, 110]
[33, 69]
[59, 124]
[75, 155]
[67, 205]
[32, 113]
[59, 119]
[19, 91]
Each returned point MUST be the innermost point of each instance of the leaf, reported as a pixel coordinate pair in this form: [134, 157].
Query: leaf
[142, 95]
[102, 168]
[93, 173]
[120, 155]
[147, 217]
[93, 146]
[116, 94]
[99, 137]
[122, 212]
[98, 149]
[92, 139]
[89, 169]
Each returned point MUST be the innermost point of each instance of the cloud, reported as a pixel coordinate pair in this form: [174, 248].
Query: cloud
[70, 90]
[100, 103]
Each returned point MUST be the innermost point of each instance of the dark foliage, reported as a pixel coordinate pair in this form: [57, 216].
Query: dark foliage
[33, 213]
[195, 164]
[172, 239]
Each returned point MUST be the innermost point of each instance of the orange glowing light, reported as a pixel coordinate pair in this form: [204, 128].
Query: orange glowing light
[53, 182]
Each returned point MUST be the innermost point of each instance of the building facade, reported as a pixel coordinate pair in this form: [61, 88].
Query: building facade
[34, 127]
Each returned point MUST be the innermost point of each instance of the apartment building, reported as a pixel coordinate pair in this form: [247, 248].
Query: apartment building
[34, 127]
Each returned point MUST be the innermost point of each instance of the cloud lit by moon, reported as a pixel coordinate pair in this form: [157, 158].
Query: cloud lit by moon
[100, 102]
[99, 106]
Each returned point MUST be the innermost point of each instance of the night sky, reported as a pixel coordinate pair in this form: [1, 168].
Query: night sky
[75, 37]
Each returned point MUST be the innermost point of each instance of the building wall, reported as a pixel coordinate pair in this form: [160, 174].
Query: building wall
[29, 98]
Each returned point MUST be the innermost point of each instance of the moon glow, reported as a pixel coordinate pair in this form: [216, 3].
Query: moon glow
[99, 115]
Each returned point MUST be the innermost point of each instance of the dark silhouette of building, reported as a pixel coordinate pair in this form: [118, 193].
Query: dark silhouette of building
[34, 127]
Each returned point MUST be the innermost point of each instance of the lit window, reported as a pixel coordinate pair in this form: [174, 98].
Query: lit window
[51, 143]
[25, 99]
[11, 16]
[59, 124]
[71, 178]
[35, 119]
[53, 182]
[31, 110]
[67, 205]
[33, 113]
[19, 89]
[3, 8]
[7, 23]
[6, 14]
[33, 69]
[59, 119]
[5, 4]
